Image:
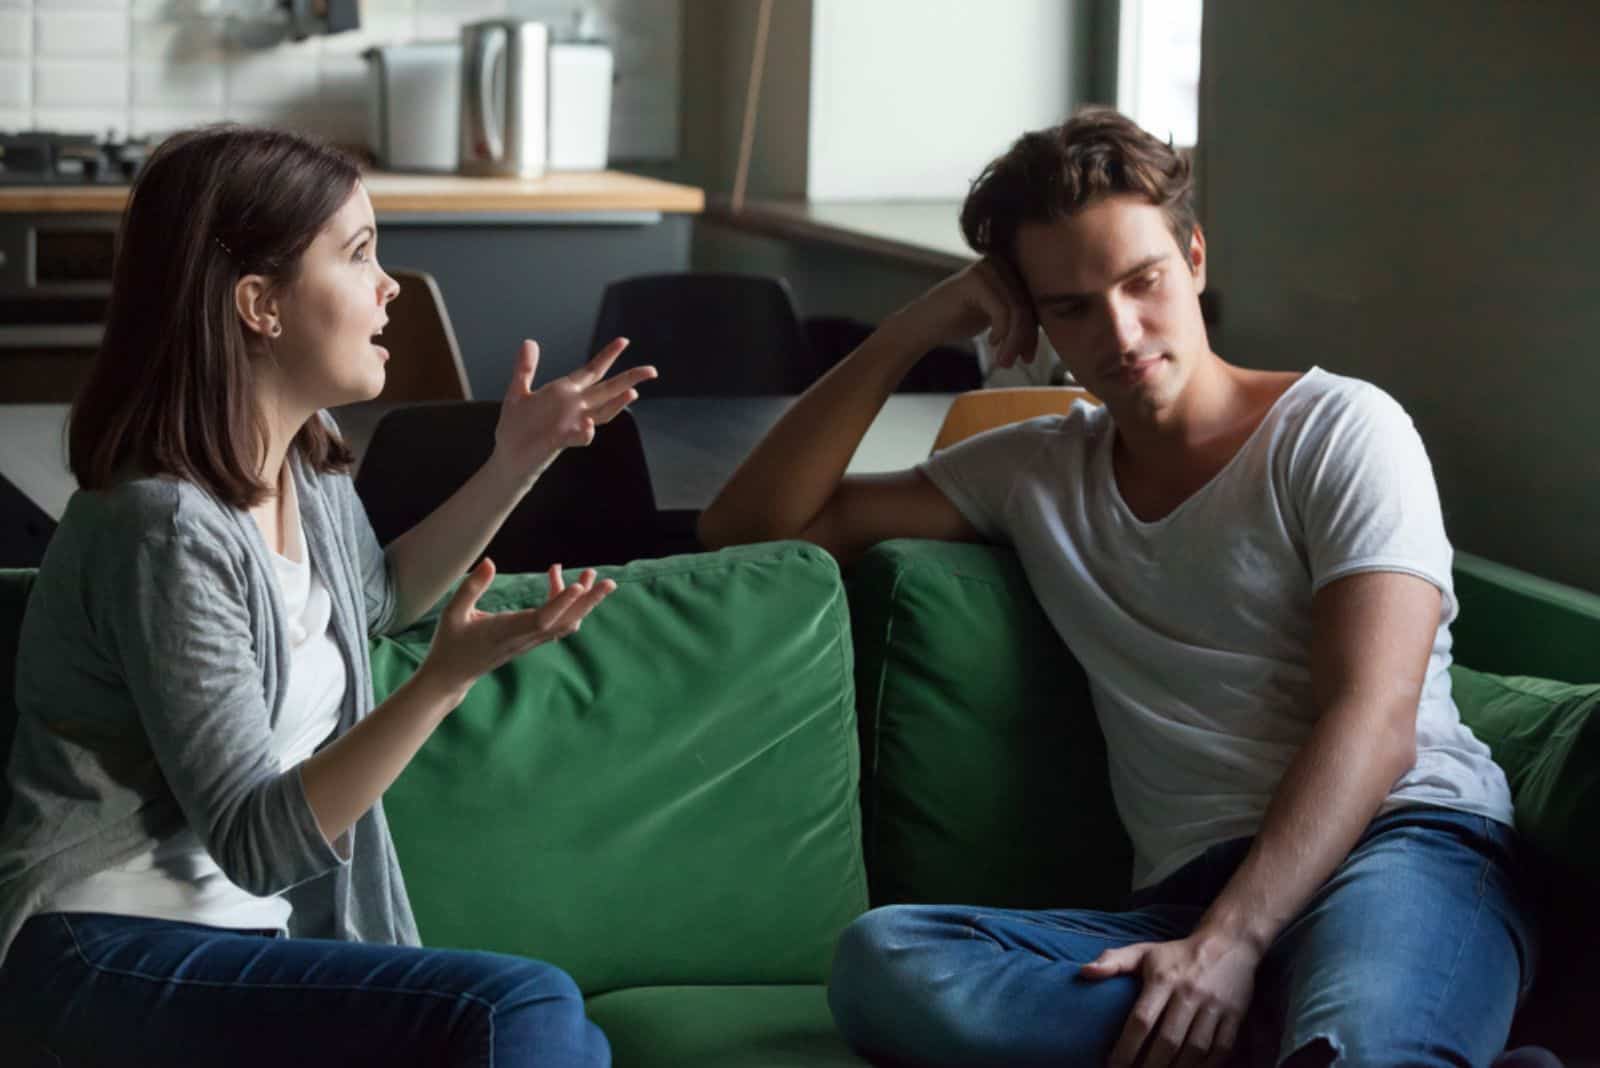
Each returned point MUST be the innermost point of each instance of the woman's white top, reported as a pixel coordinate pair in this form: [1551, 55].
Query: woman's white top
[177, 879]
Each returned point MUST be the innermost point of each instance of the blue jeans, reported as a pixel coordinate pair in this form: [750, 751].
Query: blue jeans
[95, 989]
[1416, 951]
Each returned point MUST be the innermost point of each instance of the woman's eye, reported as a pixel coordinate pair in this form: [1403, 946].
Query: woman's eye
[361, 253]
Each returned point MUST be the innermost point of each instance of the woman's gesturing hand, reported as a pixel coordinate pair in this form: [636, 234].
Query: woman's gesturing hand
[536, 424]
[469, 642]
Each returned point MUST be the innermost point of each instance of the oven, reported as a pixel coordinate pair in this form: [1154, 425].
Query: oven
[55, 284]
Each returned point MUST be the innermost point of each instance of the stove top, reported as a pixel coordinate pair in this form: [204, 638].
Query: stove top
[45, 157]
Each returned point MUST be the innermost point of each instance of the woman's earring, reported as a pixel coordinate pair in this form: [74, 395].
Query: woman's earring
[277, 328]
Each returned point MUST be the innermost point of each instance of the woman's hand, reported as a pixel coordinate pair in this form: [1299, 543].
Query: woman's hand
[469, 643]
[536, 424]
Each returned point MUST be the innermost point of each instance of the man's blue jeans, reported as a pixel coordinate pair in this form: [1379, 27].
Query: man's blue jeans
[93, 989]
[1414, 952]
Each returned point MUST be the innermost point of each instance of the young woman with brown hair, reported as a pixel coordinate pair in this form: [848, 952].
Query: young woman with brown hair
[198, 764]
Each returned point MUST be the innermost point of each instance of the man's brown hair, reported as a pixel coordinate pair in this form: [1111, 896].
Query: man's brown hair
[172, 387]
[1052, 174]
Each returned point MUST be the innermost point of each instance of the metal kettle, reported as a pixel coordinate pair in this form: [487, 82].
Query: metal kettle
[503, 104]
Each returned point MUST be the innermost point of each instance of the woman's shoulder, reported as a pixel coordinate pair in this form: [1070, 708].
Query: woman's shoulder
[135, 509]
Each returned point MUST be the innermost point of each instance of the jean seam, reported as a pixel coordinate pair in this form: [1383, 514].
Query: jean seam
[212, 985]
[1461, 948]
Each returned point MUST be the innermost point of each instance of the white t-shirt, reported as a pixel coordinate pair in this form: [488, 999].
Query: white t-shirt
[1195, 629]
[177, 879]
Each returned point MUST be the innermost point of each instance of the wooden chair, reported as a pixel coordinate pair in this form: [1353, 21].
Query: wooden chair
[425, 363]
[984, 409]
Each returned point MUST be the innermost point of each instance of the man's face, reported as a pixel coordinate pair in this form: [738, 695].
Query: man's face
[1118, 300]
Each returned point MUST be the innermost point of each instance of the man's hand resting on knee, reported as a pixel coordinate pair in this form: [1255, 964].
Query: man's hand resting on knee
[1193, 1002]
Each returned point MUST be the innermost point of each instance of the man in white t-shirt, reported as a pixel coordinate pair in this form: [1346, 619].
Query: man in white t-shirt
[1253, 570]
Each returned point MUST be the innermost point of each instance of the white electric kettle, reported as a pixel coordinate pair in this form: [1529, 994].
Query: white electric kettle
[503, 103]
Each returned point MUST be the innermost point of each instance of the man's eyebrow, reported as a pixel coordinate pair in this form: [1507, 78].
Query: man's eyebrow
[352, 238]
[1137, 269]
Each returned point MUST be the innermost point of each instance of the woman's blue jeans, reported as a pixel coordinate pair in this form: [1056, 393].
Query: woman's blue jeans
[95, 989]
[1416, 951]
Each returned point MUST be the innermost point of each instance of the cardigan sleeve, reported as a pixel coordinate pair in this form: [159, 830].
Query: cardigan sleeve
[179, 614]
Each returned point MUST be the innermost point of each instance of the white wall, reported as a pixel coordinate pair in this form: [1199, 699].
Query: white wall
[147, 67]
[910, 98]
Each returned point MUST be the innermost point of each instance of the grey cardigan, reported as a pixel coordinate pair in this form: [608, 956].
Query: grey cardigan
[151, 667]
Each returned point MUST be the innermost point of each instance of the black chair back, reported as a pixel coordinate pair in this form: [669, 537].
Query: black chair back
[709, 334]
[594, 505]
[25, 529]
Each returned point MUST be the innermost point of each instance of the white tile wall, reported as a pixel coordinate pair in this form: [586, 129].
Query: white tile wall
[148, 67]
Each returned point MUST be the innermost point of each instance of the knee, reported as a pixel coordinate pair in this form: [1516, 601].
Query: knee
[865, 976]
[539, 1018]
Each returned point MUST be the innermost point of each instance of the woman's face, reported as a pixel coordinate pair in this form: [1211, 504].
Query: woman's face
[327, 354]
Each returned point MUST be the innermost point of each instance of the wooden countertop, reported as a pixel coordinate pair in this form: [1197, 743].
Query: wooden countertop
[919, 233]
[567, 191]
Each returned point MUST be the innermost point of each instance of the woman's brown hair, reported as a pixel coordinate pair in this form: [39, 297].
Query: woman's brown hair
[172, 387]
[1052, 174]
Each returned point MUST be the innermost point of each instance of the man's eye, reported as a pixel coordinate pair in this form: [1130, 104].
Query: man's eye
[1147, 281]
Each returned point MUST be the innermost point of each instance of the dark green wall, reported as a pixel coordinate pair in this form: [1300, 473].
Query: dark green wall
[1407, 192]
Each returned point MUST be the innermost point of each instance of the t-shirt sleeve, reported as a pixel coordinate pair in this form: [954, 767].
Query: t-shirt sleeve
[1364, 489]
[979, 474]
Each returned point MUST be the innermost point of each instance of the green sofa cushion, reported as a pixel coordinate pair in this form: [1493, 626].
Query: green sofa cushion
[1546, 737]
[984, 768]
[666, 797]
[722, 1027]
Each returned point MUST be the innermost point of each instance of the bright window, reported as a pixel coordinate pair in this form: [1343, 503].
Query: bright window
[1158, 67]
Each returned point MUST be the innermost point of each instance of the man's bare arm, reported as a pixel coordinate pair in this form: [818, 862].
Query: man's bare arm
[1372, 637]
[793, 484]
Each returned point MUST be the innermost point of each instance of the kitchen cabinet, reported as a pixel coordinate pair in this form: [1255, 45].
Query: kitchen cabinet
[514, 258]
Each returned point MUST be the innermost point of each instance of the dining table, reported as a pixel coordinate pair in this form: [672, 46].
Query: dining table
[692, 444]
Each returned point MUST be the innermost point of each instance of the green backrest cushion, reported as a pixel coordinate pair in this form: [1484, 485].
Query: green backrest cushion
[14, 587]
[1514, 623]
[1546, 737]
[666, 797]
[984, 769]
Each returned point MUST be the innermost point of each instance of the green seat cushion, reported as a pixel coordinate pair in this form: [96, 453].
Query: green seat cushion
[666, 797]
[984, 768]
[14, 587]
[722, 1027]
[1546, 737]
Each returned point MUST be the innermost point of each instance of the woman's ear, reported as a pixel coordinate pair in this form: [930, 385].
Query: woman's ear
[257, 307]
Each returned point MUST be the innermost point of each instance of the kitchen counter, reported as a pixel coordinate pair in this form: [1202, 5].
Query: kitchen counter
[567, 192]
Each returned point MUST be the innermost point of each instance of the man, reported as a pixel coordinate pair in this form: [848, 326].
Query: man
[1253, 570]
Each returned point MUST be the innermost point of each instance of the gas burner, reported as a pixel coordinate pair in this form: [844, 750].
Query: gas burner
[45, 157]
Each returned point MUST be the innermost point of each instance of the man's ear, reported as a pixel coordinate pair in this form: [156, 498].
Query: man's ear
[1197, 259]
[257, 307]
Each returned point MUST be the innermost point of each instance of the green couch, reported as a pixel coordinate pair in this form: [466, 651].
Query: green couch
[685, 802]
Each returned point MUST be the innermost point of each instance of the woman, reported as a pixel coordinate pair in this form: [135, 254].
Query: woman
[198, 763]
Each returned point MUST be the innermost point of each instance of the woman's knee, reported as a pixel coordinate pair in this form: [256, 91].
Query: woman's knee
[539, 1019]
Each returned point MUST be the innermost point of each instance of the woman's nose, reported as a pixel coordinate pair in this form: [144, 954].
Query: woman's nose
[388, 290]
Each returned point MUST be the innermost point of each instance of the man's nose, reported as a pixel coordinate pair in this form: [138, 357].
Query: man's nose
[1122, 325]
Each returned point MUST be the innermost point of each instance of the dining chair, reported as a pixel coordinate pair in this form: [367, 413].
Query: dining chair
[943, 369]
[708, 334]
[593, 505]
[425, 361]
[984, 409]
